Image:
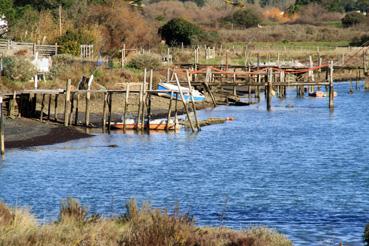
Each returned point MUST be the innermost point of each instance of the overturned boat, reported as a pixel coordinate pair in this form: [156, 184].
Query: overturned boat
[166, 87]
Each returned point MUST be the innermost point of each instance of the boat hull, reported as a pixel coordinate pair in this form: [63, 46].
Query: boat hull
[155, 125]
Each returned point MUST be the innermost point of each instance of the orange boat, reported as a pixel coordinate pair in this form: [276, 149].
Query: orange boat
[158, 125]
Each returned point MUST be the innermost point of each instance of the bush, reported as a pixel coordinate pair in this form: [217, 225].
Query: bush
[245, 18]
[70, 42]
[352, 19]
[18, 69]
[141, 61]
[71, 210]
[178, 31]
[360, 41]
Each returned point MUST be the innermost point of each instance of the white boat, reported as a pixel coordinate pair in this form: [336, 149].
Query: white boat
[197, 96]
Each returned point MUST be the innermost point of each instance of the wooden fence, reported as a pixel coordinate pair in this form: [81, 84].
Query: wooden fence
[43, 50]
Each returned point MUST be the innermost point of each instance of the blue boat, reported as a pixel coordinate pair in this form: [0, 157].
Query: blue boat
[197, 96]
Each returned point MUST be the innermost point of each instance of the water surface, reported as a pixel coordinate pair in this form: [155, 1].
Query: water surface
[300, 169]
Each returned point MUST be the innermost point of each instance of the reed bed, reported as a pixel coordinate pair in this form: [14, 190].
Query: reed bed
[138, 226]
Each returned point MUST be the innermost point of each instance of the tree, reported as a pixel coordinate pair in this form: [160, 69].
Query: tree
[245, 17]
[178, 31]
[352, 19]
[7, 9]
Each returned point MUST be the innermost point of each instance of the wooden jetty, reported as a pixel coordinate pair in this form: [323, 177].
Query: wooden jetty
[216, 80]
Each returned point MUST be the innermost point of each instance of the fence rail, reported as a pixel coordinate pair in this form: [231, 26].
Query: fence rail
[42, 50]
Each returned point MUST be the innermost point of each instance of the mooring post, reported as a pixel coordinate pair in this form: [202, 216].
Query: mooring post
[56, 107]
[42, 107]
[207, 87]
[13, 104]
[87, 113]
[105, 102]
[125, 107]
[49, 107]
[140, 102]
[192, 100]
[176, 110]
[144, 99]
[149, 101]
[67, 102]
[331, 86]
[77, 109]
[110, 102]
[2, 136]
[72, 108]
[184, 102]
[169, 110]
[269, 89]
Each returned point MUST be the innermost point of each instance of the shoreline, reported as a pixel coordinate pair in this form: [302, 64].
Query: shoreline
[24, 133]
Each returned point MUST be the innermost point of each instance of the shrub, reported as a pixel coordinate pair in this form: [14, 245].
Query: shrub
[18, 69]
[178, 31]
[141, 61]
[6, 216]
[70, 42]
[352, 19]
[360, 41]
[71, 209]
[245, 18]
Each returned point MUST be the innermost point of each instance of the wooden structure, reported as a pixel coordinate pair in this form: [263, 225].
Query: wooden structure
[7, 46]
[86, 51]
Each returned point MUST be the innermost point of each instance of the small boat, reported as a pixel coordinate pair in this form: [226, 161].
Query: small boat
[321, 94]
[317, 94]
[197, 96]
[158, 124]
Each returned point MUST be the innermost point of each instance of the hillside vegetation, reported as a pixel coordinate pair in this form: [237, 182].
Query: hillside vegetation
[109, 23]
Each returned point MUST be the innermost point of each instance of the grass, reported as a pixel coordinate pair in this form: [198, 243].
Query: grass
[138, 226]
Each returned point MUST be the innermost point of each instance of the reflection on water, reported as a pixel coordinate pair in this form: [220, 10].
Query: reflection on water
[300, 169]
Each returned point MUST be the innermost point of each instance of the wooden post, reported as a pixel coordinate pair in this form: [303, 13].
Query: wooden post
[192, 100]
[168, 75]
[67, 102]
[56, 107]
[269, 89]
[364, 63]
[110, 102]
[207, 87]
[184, 102]
[140, 102]
[72, 108]
[104, 111]
[49, 107]
[144, 98]
[123, 55]
[331, 87]
[2, 136]
[42, 107]
[149, 100]
[77, 109]
[87, 113]
[176, 111]
[169, 109]
[125, 107]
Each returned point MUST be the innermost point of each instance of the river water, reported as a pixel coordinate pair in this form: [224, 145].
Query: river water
[300, 169]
